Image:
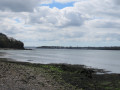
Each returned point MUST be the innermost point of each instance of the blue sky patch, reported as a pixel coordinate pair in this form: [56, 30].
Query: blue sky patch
[17, 20]
[59, 5]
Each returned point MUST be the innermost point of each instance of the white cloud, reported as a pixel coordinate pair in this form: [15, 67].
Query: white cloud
[57, 17]
[86, 21]
[68, 1]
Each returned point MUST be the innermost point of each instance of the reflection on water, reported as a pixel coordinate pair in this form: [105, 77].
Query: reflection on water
[103, 59]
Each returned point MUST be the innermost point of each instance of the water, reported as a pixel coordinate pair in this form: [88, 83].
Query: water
[102, 59]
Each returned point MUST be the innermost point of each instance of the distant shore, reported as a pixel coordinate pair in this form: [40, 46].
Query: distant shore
[26, 76]
[83, 48]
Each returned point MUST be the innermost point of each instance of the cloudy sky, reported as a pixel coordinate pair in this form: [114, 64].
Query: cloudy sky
[62, 22]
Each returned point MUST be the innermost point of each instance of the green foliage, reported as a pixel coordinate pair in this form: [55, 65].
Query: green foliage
[6, 42]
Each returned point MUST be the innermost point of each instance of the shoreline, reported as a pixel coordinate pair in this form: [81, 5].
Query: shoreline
[54, 77]
[96, 70]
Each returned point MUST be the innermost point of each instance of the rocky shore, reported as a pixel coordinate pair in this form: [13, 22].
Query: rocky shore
[26, 76]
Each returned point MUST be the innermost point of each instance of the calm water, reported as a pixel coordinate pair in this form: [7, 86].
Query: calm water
[102, 59]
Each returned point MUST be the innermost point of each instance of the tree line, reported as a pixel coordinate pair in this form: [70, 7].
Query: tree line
[85, 48]
[6, 42]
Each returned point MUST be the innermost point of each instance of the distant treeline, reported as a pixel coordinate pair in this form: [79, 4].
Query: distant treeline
[6, 42]
[85, 48]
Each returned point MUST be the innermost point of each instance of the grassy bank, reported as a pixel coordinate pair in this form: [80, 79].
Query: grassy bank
[26, 76]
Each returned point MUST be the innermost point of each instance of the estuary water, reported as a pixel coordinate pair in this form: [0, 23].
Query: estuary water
[102, 59]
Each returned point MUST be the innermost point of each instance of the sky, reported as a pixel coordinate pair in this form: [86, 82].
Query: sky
[62, 22]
